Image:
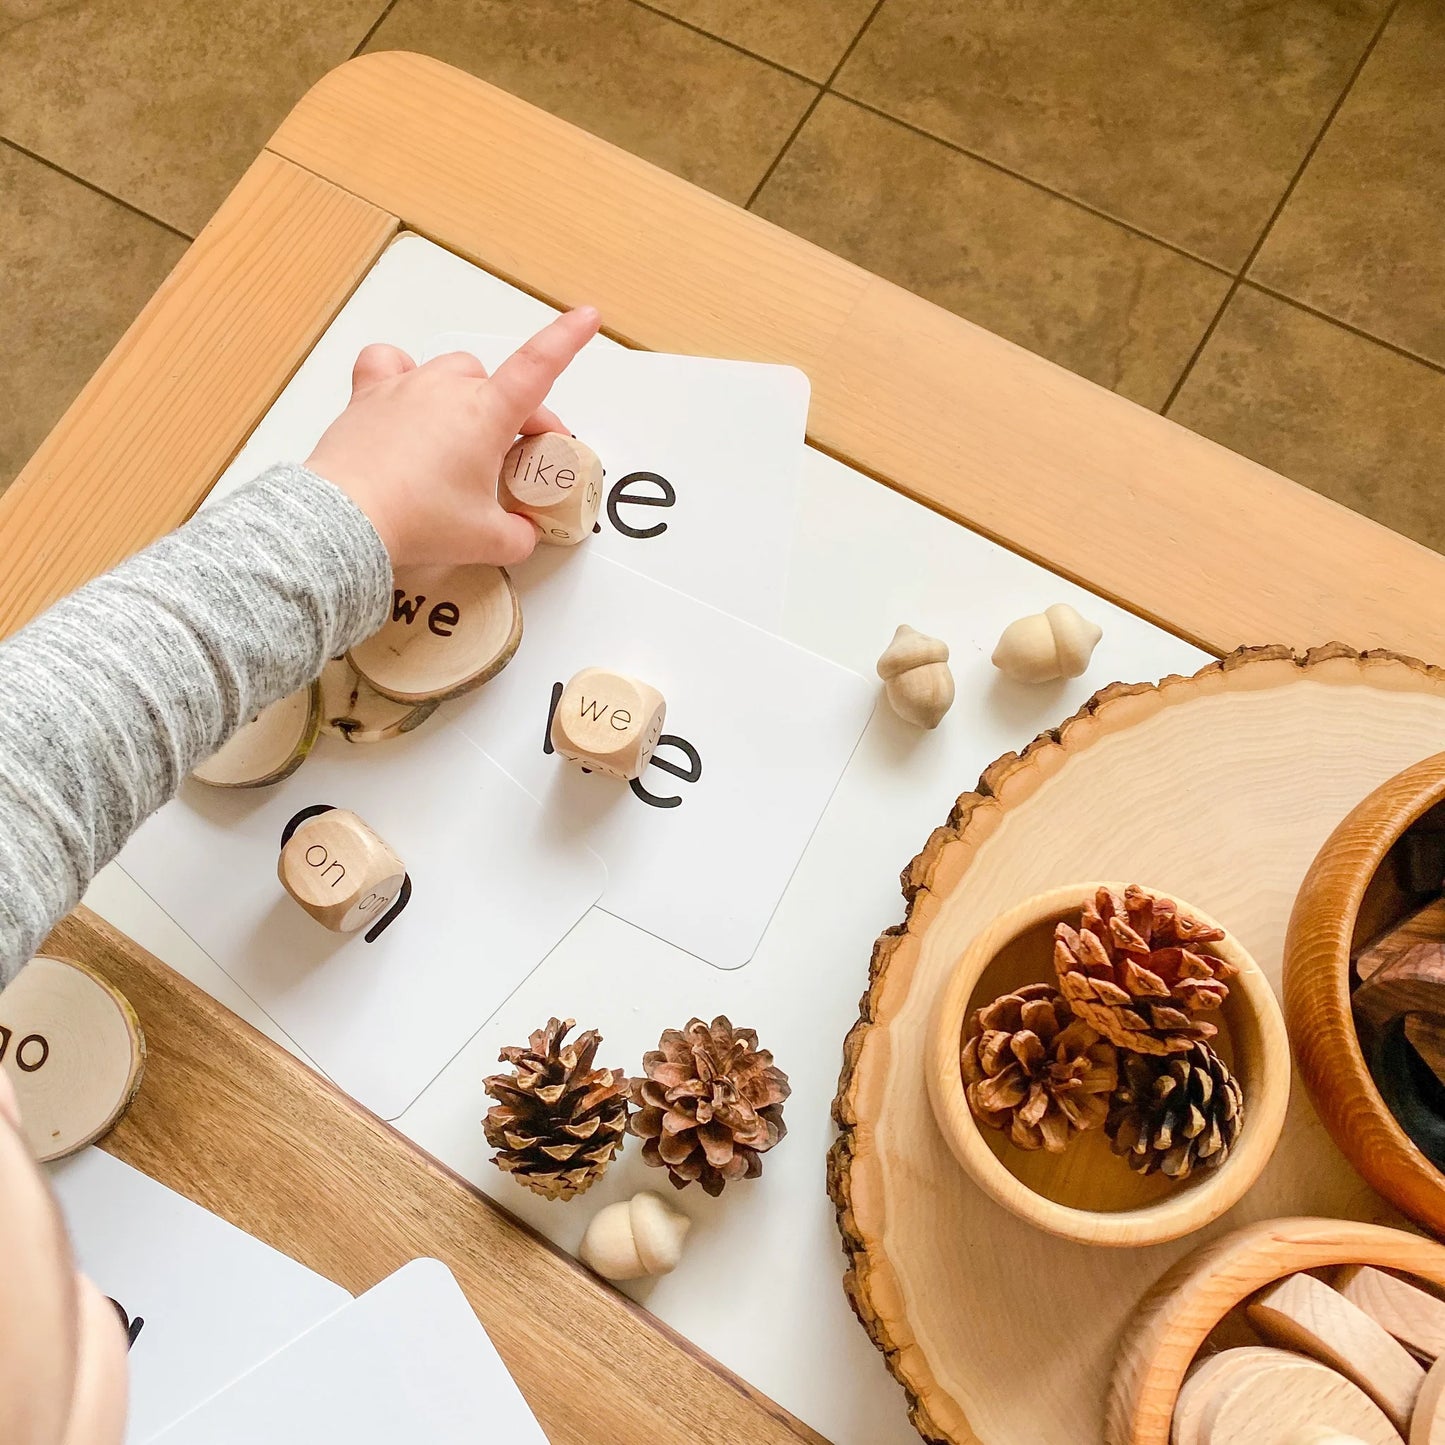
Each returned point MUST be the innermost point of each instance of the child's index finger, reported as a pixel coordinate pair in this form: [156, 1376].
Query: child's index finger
[523, 380]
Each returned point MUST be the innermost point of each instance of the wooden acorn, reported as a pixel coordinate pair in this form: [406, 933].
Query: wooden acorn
[916, 679]
[635, 1237]
[1056, 642]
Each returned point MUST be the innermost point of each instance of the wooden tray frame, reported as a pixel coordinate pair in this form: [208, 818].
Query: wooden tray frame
[970, 425]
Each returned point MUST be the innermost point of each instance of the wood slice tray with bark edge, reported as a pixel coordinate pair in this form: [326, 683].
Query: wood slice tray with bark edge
[1219, 787]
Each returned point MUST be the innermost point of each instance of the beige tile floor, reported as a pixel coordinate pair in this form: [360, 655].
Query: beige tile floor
[1228, 211]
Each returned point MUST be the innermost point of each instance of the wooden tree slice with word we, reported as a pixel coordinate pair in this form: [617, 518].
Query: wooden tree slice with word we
[1220, 788]
[73, 1049]
[451, 629]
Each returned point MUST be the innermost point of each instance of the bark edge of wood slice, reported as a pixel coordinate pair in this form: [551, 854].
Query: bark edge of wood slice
[1311, 734]
[74, 1050]
[1317, 991]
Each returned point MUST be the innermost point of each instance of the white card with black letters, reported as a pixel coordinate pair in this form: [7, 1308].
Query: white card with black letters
[407, 1361]
[758, 731]
[206, 1301]
[496, 883]
[702, 460]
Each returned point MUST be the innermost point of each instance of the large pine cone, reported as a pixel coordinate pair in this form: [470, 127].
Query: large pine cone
[1175, 1114]
[711, 1103]
[1139, 970]
[557, 1121]
[1029, 1066]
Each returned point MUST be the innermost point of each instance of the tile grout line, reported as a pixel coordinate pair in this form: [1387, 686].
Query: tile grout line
[1394, 346]
[373, 28]
[1028, 180]
[91, 186]
[1278, 211]
[721, 40]
[813, 105]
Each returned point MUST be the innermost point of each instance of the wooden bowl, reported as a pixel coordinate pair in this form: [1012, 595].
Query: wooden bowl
[1317, 950]
[1085, 1193]
[1176, 1316]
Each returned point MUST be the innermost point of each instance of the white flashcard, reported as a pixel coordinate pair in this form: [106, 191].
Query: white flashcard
[206, 1301]
[701, 462]
[700, 848]
[408, 1361]
[496, 883]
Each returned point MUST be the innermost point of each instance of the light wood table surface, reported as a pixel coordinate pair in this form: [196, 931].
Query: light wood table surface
[1202, 542]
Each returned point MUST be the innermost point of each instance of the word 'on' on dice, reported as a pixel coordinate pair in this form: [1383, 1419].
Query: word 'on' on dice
[607, 722]
[339, 871]
[557, 482]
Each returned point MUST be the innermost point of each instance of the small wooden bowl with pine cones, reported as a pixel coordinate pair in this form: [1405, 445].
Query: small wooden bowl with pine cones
[1109, 1064]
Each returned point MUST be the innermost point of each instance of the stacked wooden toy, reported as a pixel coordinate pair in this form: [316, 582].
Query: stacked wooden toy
[1354, 1359]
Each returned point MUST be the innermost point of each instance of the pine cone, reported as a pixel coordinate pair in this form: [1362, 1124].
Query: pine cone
[1138, 969]
[1175, 1114]
[1029, 1066]
[557, 1121]
[711, 1103]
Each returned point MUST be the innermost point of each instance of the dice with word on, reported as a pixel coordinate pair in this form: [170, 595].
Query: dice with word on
[557, 482]
[339, 871]
[607, 722]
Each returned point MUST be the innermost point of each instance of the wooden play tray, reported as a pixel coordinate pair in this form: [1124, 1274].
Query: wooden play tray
[1220, 788]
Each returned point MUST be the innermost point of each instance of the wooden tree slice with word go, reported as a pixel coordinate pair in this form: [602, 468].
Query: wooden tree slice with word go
[72, 1047]
[1220, 788]
[451, 629]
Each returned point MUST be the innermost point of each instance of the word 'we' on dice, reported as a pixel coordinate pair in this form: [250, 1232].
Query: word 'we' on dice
[608, 723]
[339, 871]
[557, 482]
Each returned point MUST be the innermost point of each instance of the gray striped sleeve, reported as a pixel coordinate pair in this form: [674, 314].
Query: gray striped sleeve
[112, 696]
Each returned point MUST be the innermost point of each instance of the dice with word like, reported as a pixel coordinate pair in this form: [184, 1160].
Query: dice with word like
[607, 722]
[557, 482]
[339, 871]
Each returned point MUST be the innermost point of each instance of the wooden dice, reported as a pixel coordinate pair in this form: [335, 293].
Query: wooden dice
[339, 871]
[557, 482]
[607, 722]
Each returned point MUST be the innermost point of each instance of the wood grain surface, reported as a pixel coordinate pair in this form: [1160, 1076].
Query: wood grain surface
[183, 388]
[230, 1120]
[978, 428]
[1317, 992]
[1178, 1312]
[1219, 789]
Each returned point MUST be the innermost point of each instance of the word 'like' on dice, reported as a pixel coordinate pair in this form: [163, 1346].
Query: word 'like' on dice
[339, 871]
[557, 482]
[608, 723]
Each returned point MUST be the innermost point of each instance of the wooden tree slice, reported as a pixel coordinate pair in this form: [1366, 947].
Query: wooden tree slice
[268, 748]
[72, 1047]
[1427, 1425]
[1277, 1398]
[1218, 787]
[451, 629]
[353, 710]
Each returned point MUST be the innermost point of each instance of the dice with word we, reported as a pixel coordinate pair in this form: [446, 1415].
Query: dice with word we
[339, 871]
[557, 482]
[607, 722]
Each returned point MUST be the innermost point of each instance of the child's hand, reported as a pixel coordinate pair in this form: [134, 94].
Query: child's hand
[419, 448]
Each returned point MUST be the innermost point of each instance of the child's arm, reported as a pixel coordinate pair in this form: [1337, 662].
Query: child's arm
[112, 696]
